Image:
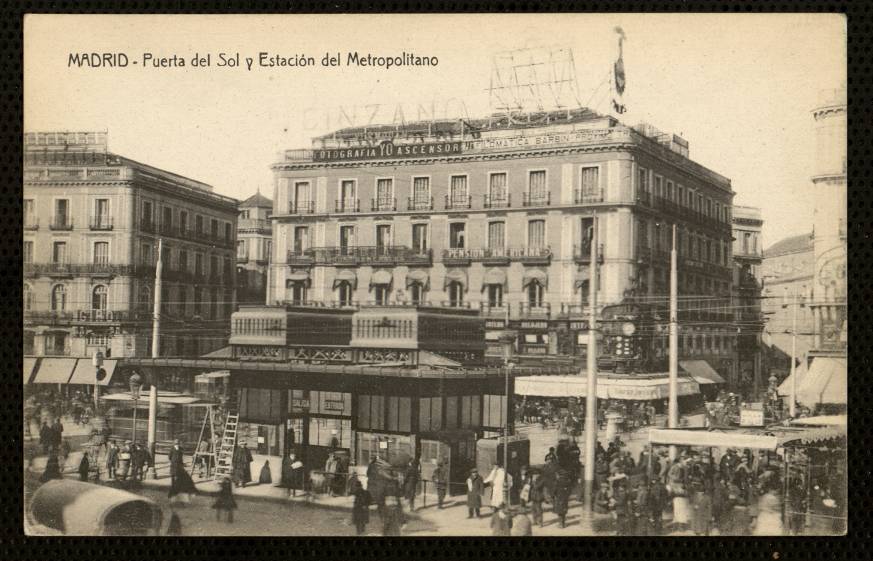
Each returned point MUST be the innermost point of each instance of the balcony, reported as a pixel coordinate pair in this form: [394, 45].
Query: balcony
[581, 197]
[413, 203]
[384, 204]
[31, 223]
[572, 310]
[254, 225]
[88, 269]
[242, 258]
[301, 207]
[644, 198]
[494, 310]
[345, 206]
[582, 253]
[361, 255]
[458, 203]
[85, 316]
[100, 222]
[61, 223]
[501, 201]
[528, 310]
[536, 199]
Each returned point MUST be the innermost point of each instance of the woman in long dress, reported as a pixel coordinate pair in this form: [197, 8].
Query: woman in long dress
[225, 501]
[182, 488]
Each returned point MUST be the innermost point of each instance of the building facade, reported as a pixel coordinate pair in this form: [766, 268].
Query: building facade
[92, 221]
[747, 289]
[253, 247]
[496, 214]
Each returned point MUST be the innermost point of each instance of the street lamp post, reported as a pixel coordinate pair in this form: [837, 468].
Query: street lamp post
[135, 385]
[508, 341]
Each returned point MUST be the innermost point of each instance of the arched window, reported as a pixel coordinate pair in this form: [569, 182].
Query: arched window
[27, 297]
[100, 297]
[344, 293]
[295, 292]
[495, 295]
[382, 293]
[416, 293]
[456, 293]
[535, 293]
[144, 302]
[59, 298]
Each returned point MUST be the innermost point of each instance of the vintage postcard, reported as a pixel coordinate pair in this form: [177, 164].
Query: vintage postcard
[418, 275]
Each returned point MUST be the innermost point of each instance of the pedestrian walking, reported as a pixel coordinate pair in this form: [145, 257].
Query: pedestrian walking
[136, 461]
[701, 505]
[292, 474]
[242, 470]
[410, 483]
[500, 483]
[224, 502]
[536, 497]
[57, 433]
[501, 521]
[392, 519]
[124, 461]
[440, 480]
[639, 510]
[521, 524]
[720, 505]
[562, 496]
[52, 469]
[175, 526]
[360, 507]
[475, 488]
[111, 459]
[45, 437]
[177, 461]
[84, 467]
[265, 477]
[330, 469]
[658, 498]
[181, 488]
[621, 508]
[678, 490]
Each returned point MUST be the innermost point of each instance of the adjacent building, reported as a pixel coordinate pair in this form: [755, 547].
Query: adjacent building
[92, 223]
[747, 286]
[253, 247]
[496, 215]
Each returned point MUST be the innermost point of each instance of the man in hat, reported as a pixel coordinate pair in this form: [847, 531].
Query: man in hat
[177, 461]
[441, 482]
[657, 499]
[728, 464]
[475, 487]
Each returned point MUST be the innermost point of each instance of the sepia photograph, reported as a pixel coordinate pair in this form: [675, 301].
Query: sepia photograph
[435, 275]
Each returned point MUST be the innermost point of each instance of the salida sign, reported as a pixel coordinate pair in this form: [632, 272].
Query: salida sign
[388, 150]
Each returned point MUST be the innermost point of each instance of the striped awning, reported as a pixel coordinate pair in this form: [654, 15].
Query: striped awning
[494, 276]
[85, 372]
[29, 363]
[417, 276]
[382, 276]
[535, 275]
[701, 371]
[456, 275]
[346, 275]
[55, 371]
[825, 382]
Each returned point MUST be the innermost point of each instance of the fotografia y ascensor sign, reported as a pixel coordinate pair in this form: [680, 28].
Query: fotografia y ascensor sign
[388, 150]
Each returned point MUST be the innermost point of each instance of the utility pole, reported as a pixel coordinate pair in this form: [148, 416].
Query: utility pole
[591, 389]
[156, 331]
[673, 413]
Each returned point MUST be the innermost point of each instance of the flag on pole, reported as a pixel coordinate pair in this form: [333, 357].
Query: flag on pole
[618, 79]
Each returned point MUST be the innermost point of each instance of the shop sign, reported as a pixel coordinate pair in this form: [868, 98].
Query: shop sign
[388, 150]
[534, 325]
[332, 405]
[538, 140]
[580, 325]
[494, 324]
[300, 403]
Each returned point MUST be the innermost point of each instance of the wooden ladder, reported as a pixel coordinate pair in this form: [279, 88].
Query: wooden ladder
[224, 461]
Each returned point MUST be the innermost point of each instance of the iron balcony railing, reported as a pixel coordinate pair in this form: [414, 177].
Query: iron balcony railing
[31, 223]
[537, 199]
[458, 203]
[413, 203]
[347, 205]
[574, 309]
[497, 201]
[361, 255]
[528, 309]
[91, 316]
[581, 197]
[81, 269]
[301, 207]
[383, 204]
[100, 222]
[61, 223]
[486, 253]
[582, 252]
[258, 224]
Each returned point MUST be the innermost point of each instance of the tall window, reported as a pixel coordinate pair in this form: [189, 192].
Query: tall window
[420, 192]
[101, 212]
[381, 292]
[62, 212]
[497, 187]
[458, 190]
[301, 239]
[198, 264]
[29, 212]
[27, 296]
[198, 224]
[643, 181]
[241, 249]
[182, 301]
[100, 297]
[101, 253]
[344, 292]
[747, 239]
[416, 293]
[383, 237]
[213, 266]
[269, 251]
[457, 235]
[384, 194]
[536, 186]
[59, 298]
[144, 301]
[298, 292]
[214, 228]
[59, 252]
[495, 295]
[536, 234]
[347, 194]
[590, 187]
[456, 293]
[167, 219]
[146, 218]
[301, 196]
[535, 294]
[228, 234]
[419, 238]
[346, 238]
[643, 232]
[183, 221]
[496, 239]
[27, 253]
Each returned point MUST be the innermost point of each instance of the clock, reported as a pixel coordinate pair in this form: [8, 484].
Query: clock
[628, 328]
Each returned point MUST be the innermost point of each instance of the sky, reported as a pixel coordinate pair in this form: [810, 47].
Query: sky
[739, 87]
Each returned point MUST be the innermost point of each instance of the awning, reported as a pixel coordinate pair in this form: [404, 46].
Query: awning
[346, 275]
[701, 371]
[822, 421]
[626, 388]
[824, 383]
[85, 373]
[417, 276]
[784, 388]
[456, 275]
[538, 275]
[297, 276]
[382, 276]
[223, 352]
[164, 398]
[494, 276]
[28, 365]
[55, 371]
[581, 281]
[212, 375]
[715, 439]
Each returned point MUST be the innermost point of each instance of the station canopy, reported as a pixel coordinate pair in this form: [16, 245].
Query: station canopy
[641, 387]
[713, 439]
